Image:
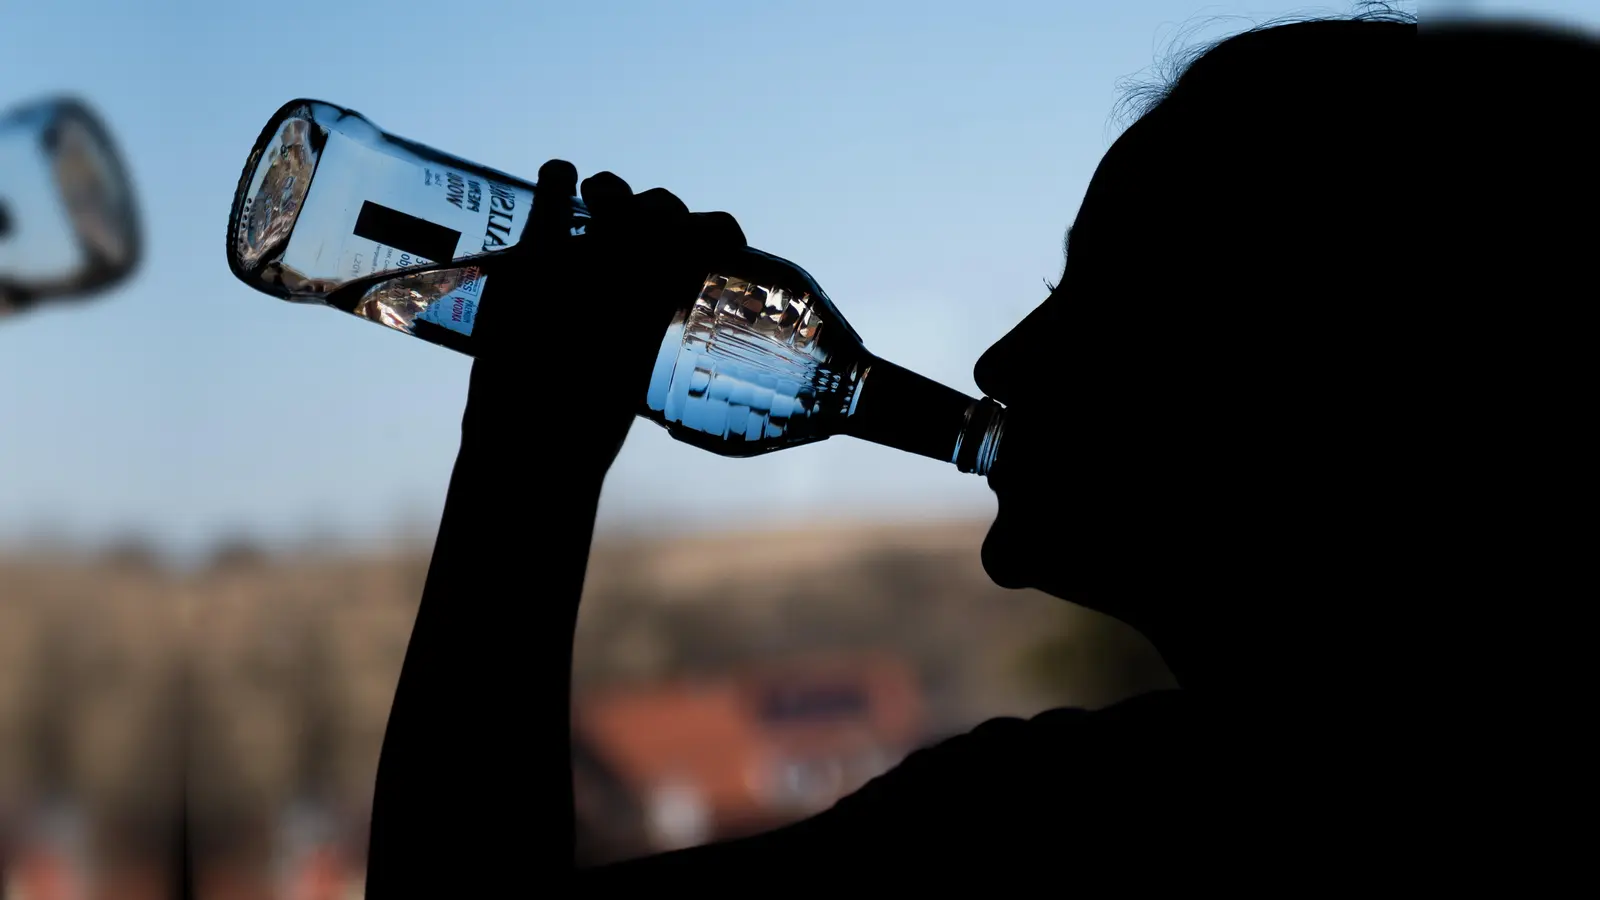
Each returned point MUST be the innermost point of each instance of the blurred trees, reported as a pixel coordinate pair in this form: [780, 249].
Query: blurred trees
[275, 671]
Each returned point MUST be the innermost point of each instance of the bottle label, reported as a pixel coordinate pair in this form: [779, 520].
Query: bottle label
[370, 212]
[457, 310]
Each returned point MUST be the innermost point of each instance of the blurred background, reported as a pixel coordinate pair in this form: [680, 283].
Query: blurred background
[216, 509]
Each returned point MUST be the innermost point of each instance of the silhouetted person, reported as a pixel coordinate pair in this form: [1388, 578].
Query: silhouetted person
[1205, 441]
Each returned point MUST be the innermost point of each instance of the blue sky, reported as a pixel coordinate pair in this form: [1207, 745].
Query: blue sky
[922, 159]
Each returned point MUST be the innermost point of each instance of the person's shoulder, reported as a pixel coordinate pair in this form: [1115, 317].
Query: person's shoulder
[1000, 780]
[1105, 737]
[1040, 750]
[1001, 794]
[1164, 709]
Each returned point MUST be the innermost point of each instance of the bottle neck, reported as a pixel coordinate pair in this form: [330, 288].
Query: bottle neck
[898, 408]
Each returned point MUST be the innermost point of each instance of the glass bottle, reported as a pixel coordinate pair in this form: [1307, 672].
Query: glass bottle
[68, 224]
[331, 210]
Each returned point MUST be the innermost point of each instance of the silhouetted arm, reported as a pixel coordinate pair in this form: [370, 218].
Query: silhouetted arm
[474, 791]
[474, 787]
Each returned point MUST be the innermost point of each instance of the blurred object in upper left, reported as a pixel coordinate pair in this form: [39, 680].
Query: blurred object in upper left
[69, 228]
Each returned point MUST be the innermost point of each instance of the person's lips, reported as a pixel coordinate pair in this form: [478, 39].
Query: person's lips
[1011, 448]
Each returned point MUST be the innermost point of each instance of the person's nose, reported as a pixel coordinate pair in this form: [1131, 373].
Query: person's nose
[1001, 372]
[989, 372]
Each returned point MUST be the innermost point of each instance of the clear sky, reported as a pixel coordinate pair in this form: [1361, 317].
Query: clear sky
[922, 159]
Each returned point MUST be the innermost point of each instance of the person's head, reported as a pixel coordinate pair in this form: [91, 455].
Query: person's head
[1184, 441]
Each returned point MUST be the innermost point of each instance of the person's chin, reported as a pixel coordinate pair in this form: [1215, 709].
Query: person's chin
[1007, 554]
[1027, 549]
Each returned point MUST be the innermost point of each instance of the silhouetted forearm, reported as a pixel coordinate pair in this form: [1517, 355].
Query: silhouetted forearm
[474, 787]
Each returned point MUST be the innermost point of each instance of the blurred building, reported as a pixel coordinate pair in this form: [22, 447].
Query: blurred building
[713, 758]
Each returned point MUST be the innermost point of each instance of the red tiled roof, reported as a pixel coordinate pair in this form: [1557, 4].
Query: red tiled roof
[712, 734]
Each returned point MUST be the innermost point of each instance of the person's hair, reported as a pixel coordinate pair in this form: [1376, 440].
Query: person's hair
[1189, 62]
[1322, 103]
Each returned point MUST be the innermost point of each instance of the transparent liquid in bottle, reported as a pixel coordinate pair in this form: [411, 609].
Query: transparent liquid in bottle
[67, 220]
[38, 245]
[333, 210]
[762, 361]
[747, 368]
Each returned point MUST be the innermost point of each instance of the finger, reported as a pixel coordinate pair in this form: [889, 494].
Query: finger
[661, 205]
[553, 193]
[719, 229]
[607, 196]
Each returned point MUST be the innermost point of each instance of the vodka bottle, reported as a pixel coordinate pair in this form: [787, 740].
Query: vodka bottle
[68, 226]
[332, 210]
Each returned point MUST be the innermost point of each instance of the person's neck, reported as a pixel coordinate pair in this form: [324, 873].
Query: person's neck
[1220, 663]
